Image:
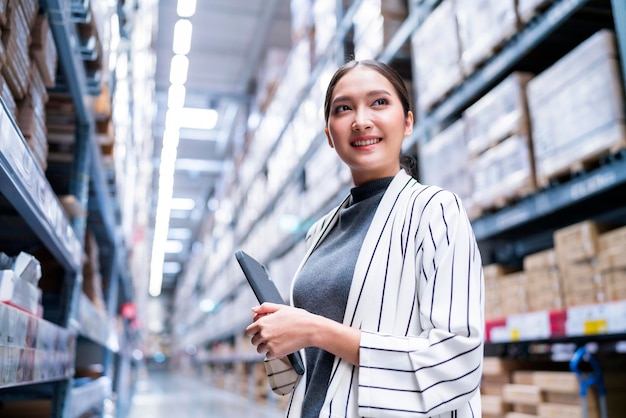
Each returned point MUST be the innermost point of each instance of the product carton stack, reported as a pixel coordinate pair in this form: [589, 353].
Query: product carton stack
[612, 263]
[437, 55]
[544, 282]
[577, 109]
[269, 76]
[31, 117]
[496, 374]
[20, 17]
[375, 23]
[556, 394]
[499, 144]
[484, 26]
[576, 248]
[19, 279]
[493, 273]
[513, 291]
[444, 161]
[43, 50]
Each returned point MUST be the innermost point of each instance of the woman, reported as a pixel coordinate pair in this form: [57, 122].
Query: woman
[387, 304]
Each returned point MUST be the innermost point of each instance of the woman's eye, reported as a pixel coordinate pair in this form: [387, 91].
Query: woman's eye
[341, 108]
[380, 102]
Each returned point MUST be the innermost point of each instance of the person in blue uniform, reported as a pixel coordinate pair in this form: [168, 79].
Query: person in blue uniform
[387, 304]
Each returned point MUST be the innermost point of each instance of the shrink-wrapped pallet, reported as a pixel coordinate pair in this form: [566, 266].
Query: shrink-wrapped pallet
[374, 25]
[436, 55]
[444, 162]
[500, 113]
[503, 174]
[484, 26]
[577, 109]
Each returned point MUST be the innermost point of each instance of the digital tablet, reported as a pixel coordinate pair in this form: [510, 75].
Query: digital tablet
[265, 291]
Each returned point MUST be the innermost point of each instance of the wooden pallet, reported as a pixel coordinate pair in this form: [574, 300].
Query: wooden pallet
[582, 166]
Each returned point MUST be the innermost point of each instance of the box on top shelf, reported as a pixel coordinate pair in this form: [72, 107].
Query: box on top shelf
[324, 25]
[484, 27]
[437, 68]
[374, 26]
[577, 109]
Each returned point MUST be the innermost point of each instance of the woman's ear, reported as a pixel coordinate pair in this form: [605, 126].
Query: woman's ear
[408, 124]
[330, 141]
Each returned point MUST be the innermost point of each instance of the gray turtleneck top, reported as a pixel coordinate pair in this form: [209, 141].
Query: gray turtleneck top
[323, 284]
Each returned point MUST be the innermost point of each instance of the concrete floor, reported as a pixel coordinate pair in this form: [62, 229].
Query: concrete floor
[172, 395]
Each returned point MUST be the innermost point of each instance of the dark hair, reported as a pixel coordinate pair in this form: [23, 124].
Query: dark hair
[407, 162]
[380, 67]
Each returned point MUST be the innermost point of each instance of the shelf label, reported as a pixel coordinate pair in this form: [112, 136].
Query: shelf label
[515, 334]
[595, 326]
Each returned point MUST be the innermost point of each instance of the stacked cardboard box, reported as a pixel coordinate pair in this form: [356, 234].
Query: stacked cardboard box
[31, 117]
[576, 248]
[437, 69]
[513, 291]
[496, 374]
[612, 263]
[43, 50]
[20, 17]
[493, 273]
[577, 109]
[545, 286]
[484, 26]
[556, 394]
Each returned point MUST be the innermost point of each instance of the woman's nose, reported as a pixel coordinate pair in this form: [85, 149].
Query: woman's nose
[361, 121]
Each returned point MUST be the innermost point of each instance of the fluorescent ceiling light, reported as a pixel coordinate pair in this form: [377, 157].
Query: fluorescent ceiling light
[166, 187]
[198, 118]
[181, 203]
[176, 96]
[186, 8]
[182, 37]
[173, 247]
[178, 69]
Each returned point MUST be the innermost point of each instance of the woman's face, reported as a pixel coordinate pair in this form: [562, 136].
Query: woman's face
[367, 124]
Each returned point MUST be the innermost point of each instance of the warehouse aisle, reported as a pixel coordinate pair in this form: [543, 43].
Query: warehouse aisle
[172, 395]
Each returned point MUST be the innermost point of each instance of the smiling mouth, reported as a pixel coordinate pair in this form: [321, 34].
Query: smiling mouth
[366, 142]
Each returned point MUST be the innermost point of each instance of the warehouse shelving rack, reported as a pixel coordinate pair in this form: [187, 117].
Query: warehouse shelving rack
[71, 326]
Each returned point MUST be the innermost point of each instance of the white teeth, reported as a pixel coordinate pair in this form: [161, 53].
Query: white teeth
[366, 142]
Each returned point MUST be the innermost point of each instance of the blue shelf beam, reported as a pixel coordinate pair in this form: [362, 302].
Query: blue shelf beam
[550, 201]
[24, 185]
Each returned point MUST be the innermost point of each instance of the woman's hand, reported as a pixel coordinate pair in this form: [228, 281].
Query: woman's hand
[279, 330]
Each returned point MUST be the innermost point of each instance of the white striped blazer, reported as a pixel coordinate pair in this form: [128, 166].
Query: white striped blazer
[417, 296]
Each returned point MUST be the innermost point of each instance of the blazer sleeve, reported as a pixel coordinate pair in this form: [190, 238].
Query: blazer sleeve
[440, 369]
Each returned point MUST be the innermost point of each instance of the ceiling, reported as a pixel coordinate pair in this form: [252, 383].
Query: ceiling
[229, 43]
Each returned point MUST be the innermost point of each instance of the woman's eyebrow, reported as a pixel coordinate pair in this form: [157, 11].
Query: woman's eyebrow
[368, 94]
